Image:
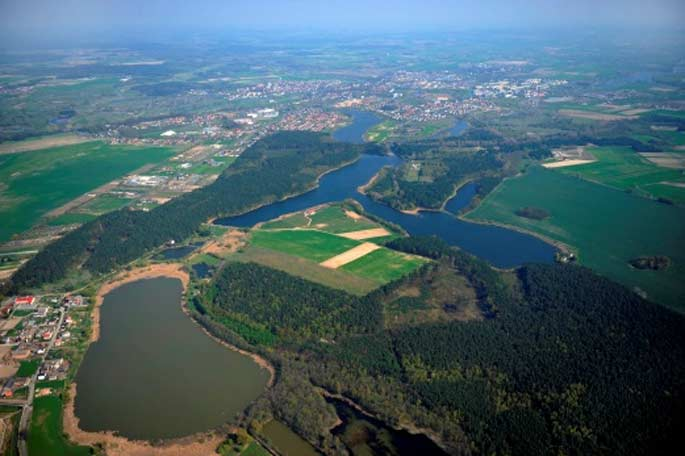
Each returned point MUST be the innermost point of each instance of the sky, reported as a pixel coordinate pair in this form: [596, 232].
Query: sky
[52, 16]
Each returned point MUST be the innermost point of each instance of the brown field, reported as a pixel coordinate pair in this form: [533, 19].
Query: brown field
[564, 163]
[229, 242]
[593, 115]
[8, 324]
[42, 143]
[365, 234]
[666, 160]
[353, 215]
[349, 256]
[635, 112]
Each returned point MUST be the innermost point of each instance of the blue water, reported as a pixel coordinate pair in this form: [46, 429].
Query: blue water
[362, 122]
[462, 198]
[502, 247]
[202, 270]
[459, 128]
[176, 253]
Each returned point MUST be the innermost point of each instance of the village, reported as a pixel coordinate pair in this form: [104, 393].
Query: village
[34, 330]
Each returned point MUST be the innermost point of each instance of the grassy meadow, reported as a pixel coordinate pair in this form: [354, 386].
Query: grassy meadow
[384, 265]
[34, 183]
[622, 168]
[45, 432]
[607, 227]
[309, 244]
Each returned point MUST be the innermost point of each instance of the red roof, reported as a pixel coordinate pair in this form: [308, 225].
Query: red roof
[24, 299]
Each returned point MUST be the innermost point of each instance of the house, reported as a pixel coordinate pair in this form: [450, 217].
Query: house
[24, 300]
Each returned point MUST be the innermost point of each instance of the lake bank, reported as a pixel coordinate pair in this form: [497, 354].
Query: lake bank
[142, 313]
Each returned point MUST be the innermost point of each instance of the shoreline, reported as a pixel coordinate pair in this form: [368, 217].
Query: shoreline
[204, 443]
[314, 186]
[200, 443]
[172, 270]
[564, 248]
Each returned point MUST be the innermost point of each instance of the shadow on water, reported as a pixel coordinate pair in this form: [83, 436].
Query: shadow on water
[364, 435]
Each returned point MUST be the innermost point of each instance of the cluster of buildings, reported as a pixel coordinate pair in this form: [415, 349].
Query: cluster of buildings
[32, 327]
[529, 88]
[311, 119]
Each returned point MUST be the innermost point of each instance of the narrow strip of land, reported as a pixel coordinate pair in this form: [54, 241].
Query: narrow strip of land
[350, 255]
[365, 234]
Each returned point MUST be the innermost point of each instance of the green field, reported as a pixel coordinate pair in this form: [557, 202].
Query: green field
[622, 168]
[34, 183]
[384, 265]
[308, 270]
[27, 368]
[45, 433]
[70, 218]
[286, 441]
[331, 219]
[105, 203]
[606, 226]
[309, 244]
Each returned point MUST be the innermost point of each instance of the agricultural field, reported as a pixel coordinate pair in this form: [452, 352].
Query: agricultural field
[584, 215]
[384, 265]
[309, 244]
[34, 183]
[331, 245]
[381, 132]
[308, 270]
[624, 169]
[45, 433]
[332, 219]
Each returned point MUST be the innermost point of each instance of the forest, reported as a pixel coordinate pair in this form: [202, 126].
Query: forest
[277, 166]
[563, 361]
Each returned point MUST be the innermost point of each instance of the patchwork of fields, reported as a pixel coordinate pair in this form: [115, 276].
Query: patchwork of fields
[622, 168]
[331, 245]
[607, 227]
[34, 183]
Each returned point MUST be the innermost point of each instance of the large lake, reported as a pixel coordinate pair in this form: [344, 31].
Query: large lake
[500, 246]
[154, 374]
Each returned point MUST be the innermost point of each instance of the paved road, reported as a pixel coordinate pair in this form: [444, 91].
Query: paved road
[27, 411]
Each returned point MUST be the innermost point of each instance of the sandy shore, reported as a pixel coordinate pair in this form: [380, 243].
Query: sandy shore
[173, 270]
[148, 272]
[198, 444]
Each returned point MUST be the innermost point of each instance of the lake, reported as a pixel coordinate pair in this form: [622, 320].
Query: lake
[500, 246]
[362, 121]
[154, 374]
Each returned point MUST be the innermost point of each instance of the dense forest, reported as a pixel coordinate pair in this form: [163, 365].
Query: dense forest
[563, 361]
[275, 167]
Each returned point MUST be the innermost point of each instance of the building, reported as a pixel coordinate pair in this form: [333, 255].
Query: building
[24, 300]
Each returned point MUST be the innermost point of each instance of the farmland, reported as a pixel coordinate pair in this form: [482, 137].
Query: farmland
[327, 245]
[384, 265]
[622, 168]
[36, 182]
[332, 219]
[45, 433]
[584, 216]
[308, 270]
[309, 244]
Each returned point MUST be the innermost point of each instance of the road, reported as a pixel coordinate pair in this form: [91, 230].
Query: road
[27, 411]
